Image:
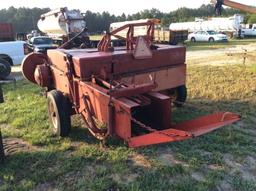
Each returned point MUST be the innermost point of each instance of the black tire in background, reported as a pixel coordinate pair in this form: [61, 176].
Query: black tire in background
[193, 39]
[179, 95]
[1, 95]
[59, 110]
[5, 69]
[211, 39]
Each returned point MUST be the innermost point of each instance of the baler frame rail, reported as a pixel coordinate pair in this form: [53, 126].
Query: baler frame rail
[105, 43]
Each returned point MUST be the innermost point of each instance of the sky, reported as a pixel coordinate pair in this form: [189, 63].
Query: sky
[116, 7]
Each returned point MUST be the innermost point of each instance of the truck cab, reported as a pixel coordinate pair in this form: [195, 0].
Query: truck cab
[11, 53]
[249, 32]
[41, 44]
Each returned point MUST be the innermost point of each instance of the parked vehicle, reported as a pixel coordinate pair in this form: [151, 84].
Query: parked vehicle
[207, 36]
[249, 32]
[11, 53]
[41, 43]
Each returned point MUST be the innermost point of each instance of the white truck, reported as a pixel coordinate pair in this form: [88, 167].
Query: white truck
[250, 31]
[11, 53]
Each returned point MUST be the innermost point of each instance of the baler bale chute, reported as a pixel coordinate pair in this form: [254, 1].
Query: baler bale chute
[120, 88]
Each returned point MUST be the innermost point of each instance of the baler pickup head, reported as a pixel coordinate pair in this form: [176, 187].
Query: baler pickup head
[185, 130]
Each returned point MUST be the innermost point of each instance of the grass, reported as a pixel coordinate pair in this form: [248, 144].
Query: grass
[191, 46]
[96, 37]
[216, 160]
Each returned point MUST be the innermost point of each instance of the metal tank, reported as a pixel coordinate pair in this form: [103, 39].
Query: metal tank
[61, 22]
[220, 24]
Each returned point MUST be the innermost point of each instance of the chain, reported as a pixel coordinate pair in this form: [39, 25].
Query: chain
[150, 129]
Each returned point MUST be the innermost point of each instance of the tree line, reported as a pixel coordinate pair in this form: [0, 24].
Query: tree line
[25, 19]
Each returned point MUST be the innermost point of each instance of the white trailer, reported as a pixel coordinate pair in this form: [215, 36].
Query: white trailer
[228, 24]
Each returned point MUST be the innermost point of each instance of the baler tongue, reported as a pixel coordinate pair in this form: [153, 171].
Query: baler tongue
[185, 130]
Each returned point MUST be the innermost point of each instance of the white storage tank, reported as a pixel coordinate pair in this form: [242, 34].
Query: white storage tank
[61, 22]
[228, 24]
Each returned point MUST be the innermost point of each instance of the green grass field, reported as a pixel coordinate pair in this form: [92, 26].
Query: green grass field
[222, 160]
[192, 46]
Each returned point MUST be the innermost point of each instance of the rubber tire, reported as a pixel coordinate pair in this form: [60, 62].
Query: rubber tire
[62, 109]
[7, 70]
[181, 95]
[193, 39]
[211, 39]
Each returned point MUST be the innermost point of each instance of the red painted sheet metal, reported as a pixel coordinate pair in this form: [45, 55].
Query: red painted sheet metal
[87, 63]
[185, 130]
[208, 123]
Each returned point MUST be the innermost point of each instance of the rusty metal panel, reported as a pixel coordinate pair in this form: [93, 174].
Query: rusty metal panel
[160, 110]
[97, 98]
[57, 58]
[99, 107]
[123, 108]
[91, 63]
[88, 64]
[60, 80]
[162, 57]
[165, 79]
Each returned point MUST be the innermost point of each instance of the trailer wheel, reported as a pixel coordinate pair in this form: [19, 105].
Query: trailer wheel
[59, 113]
[5, 68]
[178, 95]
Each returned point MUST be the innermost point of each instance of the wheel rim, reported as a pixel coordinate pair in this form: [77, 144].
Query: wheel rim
[53, 116]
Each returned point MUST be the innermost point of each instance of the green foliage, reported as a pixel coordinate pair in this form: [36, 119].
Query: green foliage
[23, 19]
[252, 19]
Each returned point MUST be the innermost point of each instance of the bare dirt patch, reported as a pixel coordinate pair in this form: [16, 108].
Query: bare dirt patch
[44, 187]
[224, 186]
[140, 160]
[14, 145]
[245, 168]
[169, 160]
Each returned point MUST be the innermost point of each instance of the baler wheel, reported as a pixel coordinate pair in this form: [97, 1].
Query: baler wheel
[59, 111]
[178, 95]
